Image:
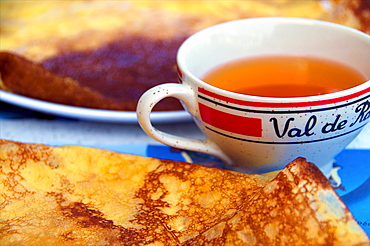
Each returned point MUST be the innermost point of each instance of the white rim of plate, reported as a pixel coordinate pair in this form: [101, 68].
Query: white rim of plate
[91, 114]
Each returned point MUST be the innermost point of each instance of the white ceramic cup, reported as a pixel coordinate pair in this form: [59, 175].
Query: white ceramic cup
[261, 134]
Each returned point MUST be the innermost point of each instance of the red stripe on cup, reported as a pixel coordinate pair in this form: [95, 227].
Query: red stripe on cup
[179, 72]
[232, 123]
[283, 104]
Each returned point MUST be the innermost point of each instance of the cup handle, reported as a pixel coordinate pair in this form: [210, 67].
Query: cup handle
[185, 94]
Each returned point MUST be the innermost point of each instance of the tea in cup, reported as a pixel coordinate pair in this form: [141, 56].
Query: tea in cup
[268, 90]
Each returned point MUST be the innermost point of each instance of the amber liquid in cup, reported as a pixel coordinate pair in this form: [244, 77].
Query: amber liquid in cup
[284, 76]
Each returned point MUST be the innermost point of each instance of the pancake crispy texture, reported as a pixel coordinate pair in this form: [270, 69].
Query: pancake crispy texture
[65, 90]
[120, 49]
[84, 196]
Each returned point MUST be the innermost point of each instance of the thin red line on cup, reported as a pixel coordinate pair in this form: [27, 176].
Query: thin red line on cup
[232, 123]
[283, 104]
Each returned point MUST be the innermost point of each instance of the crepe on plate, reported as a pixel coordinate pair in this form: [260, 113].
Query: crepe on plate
[84, 196]
[106, 54]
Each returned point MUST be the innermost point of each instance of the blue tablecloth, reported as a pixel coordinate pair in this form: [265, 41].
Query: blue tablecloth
[354, 164]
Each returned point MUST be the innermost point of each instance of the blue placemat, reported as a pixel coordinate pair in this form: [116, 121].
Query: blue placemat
[353, 165]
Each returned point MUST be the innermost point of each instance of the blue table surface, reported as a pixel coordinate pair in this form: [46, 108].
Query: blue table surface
[353, 163]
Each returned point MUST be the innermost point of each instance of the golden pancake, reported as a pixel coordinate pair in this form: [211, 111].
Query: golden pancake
[84, 196]
[113, 51]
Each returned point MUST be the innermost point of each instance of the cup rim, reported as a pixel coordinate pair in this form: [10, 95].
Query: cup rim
[361, 89]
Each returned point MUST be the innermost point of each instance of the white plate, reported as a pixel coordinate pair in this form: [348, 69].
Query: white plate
[90, 114]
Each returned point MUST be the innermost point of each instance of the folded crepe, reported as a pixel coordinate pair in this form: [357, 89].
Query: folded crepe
[85, 196]
[106, 54]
